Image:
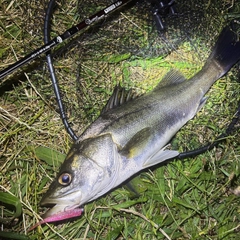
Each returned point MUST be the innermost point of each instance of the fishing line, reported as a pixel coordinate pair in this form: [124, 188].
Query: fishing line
[222, 137]
[47, 22]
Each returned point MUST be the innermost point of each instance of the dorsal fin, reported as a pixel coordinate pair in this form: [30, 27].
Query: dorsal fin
[171, 78]
[120, 96]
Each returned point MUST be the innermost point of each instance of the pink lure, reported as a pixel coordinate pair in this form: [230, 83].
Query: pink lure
[60, 216]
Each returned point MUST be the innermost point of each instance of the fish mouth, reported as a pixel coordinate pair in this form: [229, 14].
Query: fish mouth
[58, 205]
[76, 212]
[59, 209]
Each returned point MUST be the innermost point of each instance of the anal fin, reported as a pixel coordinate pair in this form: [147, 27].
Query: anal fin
[202, 103]
[160, 156]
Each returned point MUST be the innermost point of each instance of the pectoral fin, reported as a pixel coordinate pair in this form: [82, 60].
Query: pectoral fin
[137, 143]
[140, 143]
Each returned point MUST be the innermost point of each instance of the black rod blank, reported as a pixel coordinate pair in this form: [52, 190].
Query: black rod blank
[67, 34]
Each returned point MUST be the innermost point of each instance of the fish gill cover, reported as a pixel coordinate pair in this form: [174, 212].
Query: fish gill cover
[184, 199]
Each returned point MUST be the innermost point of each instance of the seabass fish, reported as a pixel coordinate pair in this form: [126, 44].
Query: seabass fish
[131, 135]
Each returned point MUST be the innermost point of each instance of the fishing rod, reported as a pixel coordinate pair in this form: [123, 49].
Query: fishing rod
[67, 34]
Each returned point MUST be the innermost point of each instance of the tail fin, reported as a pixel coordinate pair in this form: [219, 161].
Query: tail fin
[227, 48]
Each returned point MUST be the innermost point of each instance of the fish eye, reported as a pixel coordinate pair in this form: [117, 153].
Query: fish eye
[65, 179]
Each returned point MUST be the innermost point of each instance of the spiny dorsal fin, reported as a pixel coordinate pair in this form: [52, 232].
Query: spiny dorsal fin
[171, 78]
[120, 96]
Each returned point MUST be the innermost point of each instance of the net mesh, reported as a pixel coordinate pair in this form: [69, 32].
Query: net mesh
[115, 50]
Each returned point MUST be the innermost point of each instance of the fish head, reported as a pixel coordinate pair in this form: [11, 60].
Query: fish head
[89, 171]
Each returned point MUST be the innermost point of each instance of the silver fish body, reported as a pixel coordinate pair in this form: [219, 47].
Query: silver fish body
[133, 135]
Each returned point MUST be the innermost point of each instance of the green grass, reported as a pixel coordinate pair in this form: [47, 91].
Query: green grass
[194, 198]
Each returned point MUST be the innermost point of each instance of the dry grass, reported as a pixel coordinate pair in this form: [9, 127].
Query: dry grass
[188, 199]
